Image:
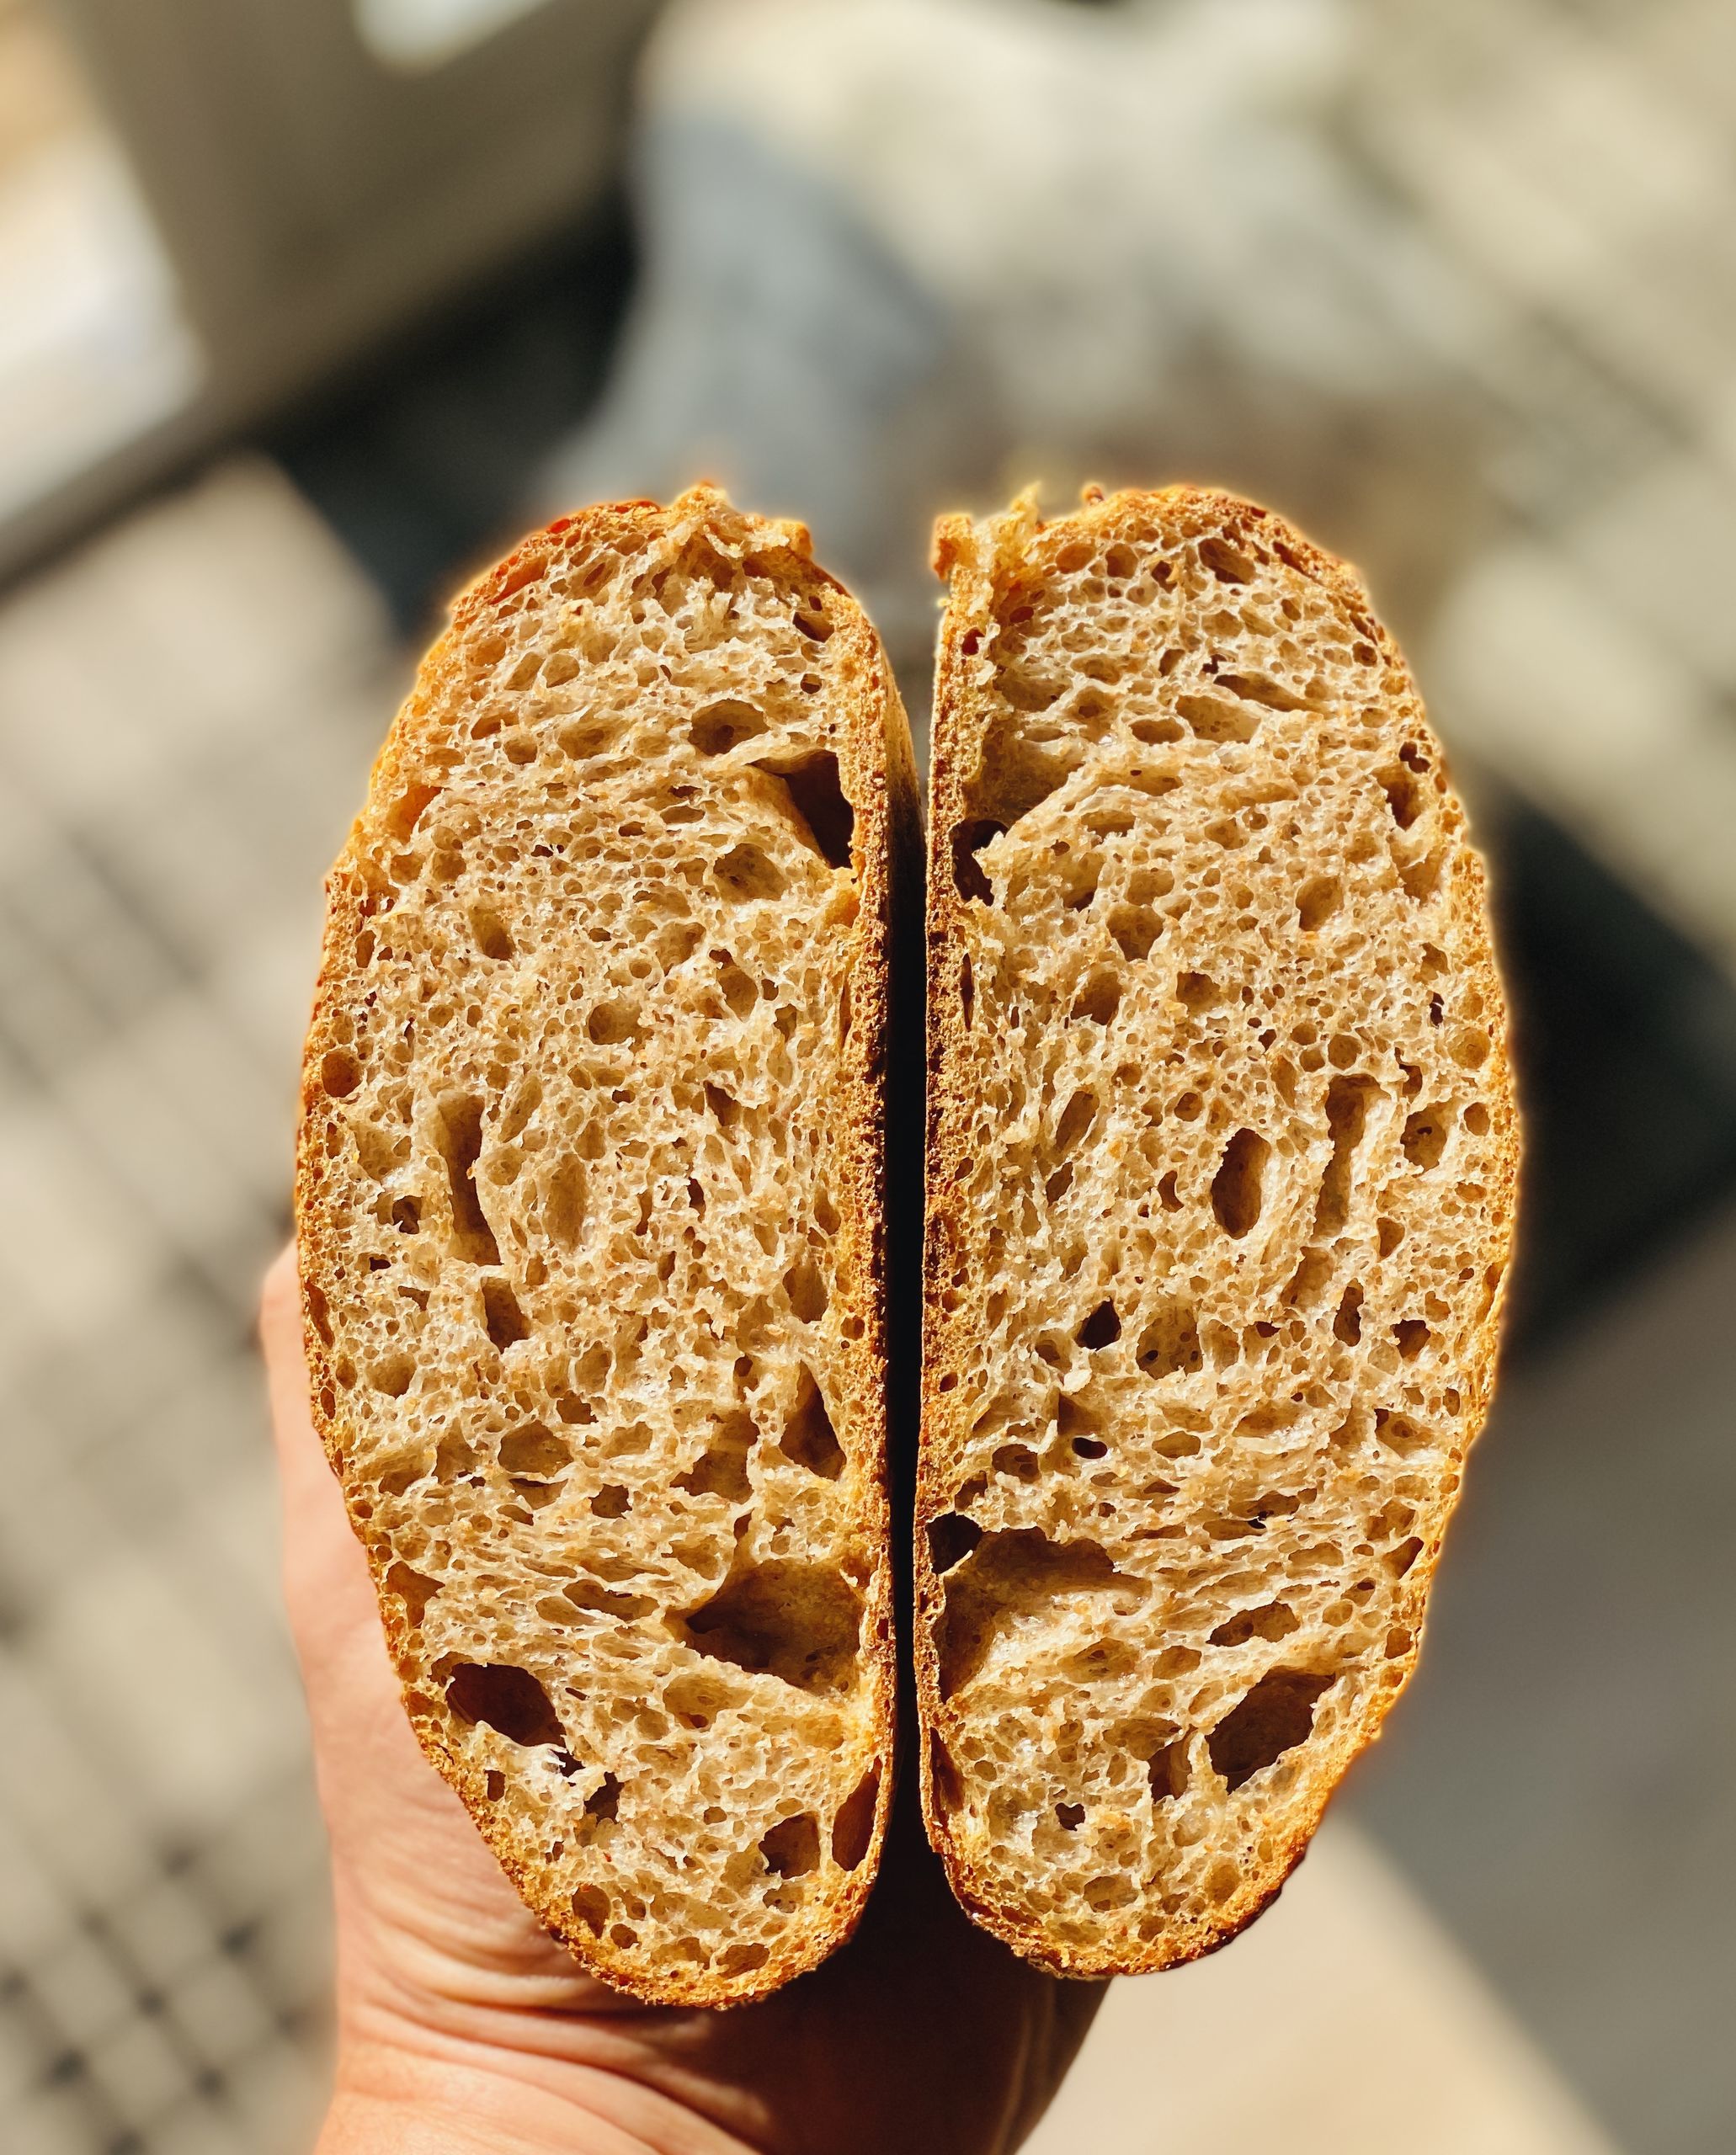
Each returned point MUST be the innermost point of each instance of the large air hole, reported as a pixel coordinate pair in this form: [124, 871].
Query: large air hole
[1102, 1329]
[1424, 1139]
[1010, 1576]
[853, 1827]
[1170, 1345]
[1255, 688]
[1167, 1771]
[1399, 1434]
[1319, 899]
[1076, 1120]
[805, 1285]
[611, 1022]
[340, 1073]
[1214, 719]
[458, 1134]
[747, 874]
[721, 727]
[1405, 795]
[1227, 563]
[696, 1700]
[741, 992]
[412, 1589]
[1073, 1417]
[491, 934]
[1018, 772]
[590, 1904]
[1276, 1715]
[406, 811]
[951, 1538]
[968, 840]
[721, 1468]
[535, 1450]
[507, 1699]
[393, 1375]
[792, 1847]
[1347, 1102]
[505, 1320]
[453, 1457]
[1135, 929]
[799, 1622]
[809, 1438]
[588, 738]
[563, 1204]
[603, 1800]
[1420, 877]
[606, 1601]
[1027, 692]
[817, 794]
[1099, 999]
[1274, 1620]
[1239, 1187]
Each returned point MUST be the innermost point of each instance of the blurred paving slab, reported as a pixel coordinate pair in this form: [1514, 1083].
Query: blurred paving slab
[187, 712]
[1561, 1781]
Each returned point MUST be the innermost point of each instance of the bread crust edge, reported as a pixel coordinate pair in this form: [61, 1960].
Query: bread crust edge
[967, 555]
[879, 736]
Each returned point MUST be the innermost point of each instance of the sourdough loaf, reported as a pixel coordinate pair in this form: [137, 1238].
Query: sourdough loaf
[590, 1211]
[1221, 1161]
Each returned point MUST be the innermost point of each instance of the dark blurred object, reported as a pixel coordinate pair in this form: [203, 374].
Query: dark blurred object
[1627, 1051]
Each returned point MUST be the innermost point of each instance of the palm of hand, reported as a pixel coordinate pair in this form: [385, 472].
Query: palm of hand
[922, 2032]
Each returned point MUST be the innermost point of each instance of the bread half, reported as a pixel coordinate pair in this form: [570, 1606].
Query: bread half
[591, 1216]
[1221, 1161]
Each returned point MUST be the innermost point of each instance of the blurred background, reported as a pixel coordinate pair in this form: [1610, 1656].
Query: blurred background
[306, 306]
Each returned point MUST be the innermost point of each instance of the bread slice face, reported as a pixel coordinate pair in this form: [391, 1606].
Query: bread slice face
[1221, 1163]
[590, 1203]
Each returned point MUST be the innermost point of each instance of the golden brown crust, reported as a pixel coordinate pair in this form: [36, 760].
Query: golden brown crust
[988, 568]
[878, 779]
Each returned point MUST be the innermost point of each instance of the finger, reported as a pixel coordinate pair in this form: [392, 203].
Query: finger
[326, 1581]
[280, 1336]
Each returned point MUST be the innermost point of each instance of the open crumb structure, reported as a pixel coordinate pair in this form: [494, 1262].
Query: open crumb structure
[1222, 1165]
[590, 1206]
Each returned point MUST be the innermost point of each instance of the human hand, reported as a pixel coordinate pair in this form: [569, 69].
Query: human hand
[462, 2025]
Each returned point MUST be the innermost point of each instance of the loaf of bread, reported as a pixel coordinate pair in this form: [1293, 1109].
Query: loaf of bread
[591, 1207]
[1221, 1163]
